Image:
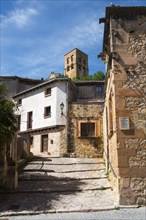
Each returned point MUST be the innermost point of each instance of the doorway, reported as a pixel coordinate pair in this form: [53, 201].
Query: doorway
[44, 143]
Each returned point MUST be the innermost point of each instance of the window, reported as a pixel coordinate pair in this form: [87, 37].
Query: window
[79, 67]
[72, 66]
[19, 122]
[47, 111]
[99, 90]
[67, 60]
[80, 60]
[29, 120]
[72, 58]
[68, 68]
[31, 140]
[48, 92]
[19, 102]
[110, 115]
[88, 129]
[84, 62]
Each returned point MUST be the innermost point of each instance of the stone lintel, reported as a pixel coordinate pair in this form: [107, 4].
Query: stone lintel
[129, 92]
[123, 112]
[132, 172]
[126, 151]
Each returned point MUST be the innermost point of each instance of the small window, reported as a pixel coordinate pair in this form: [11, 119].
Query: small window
[87, 129]
[80, 60]
[29, 120]
[19, 102]
[67, 60]
[19, 122]
[79, 67]
[84, 62]
[72, 66]
[47, 111]
[99, 90]
[72, 58]
[31, 140]
[48, 92]
[68, 68]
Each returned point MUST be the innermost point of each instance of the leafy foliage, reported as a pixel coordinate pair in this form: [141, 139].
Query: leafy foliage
[96, 76]
[8, 119]
[99, 76]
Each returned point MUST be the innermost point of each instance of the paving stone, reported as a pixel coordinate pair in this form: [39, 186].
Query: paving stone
[74, 184]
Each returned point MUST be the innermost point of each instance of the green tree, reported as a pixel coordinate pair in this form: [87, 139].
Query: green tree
[8, 119]
[99, 76]
[8, 128]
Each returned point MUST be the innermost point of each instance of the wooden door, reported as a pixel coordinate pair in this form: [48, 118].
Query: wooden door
[45, 143]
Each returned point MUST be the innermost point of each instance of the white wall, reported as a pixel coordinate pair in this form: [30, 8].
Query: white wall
[35, 101]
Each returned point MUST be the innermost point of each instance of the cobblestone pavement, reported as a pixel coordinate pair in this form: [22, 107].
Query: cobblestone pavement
[59, 185]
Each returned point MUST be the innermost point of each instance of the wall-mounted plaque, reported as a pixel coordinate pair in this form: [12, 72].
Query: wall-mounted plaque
[124, 123]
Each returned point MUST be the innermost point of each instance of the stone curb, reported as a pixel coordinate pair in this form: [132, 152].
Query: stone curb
[71, 210]
[57, 211]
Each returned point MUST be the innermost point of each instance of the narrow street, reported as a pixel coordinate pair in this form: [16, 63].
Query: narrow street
[51, 185]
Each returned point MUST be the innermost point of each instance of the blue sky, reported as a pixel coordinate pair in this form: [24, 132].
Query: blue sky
[36, 34]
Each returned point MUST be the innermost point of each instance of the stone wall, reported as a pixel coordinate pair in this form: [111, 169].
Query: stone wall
[84, 147]
[126, 82]
[135, 102]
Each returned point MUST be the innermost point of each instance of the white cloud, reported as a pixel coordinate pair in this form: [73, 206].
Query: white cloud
[19, 17]
[86, 33]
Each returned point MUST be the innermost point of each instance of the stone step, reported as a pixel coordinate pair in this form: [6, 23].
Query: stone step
[59, 161]
[37, 174]
[64, 167]
[38, 202]
[63, 185]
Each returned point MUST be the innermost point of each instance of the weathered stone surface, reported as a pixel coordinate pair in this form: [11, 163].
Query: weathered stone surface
[126, 97]
[84, 147]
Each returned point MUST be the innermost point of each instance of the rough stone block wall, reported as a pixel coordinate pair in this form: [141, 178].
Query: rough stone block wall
[63, 142]
[54, 144]
[130, 92]
[84, 147]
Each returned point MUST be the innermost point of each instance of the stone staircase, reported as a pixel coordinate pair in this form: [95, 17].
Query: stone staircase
[60, 184]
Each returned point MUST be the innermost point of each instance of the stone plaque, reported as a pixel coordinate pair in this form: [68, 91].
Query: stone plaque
[124, 123]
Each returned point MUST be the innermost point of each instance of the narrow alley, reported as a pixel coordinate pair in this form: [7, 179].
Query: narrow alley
[49, 185]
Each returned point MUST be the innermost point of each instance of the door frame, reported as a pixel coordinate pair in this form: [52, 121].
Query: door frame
[42, 136]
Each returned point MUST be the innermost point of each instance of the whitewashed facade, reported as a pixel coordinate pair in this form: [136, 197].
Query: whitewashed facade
[40, 115]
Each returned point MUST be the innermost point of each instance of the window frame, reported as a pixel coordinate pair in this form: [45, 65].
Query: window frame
[72, 66]
[29, 119]
[68, 68]
[67, 60]
[47, 114]
[19, 102]
[99, 91]
[48, 93]
[97, 128]
[19, 122]
[72, 58]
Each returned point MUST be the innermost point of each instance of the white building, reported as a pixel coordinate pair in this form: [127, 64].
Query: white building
[41, 117]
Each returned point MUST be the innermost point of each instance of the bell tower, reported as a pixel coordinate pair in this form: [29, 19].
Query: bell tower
[76, 64]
